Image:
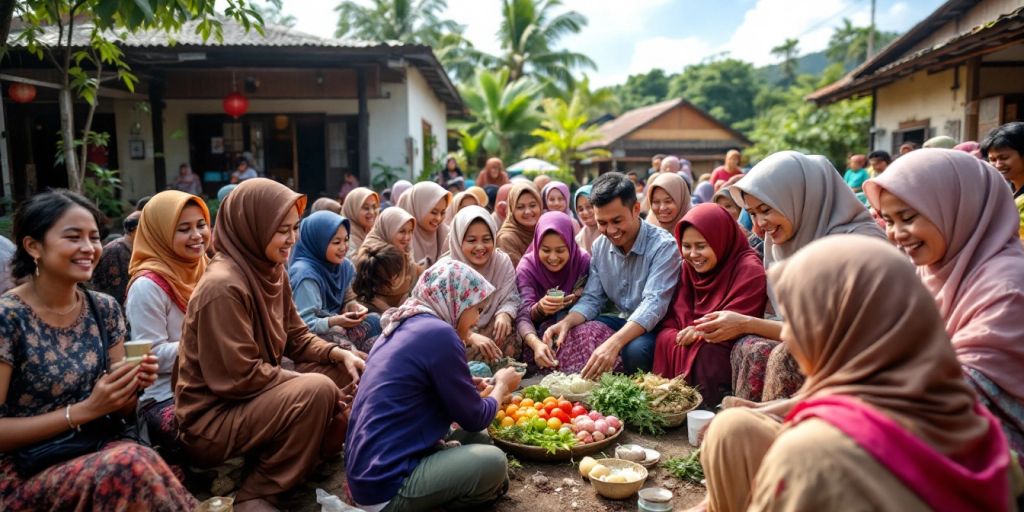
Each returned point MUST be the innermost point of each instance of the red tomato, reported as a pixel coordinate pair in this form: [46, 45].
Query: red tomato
[579, 410]
[561, 415]
[565, 405]
[543, 414]
[550, 407]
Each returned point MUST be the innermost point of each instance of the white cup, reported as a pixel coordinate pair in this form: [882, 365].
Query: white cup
[695, 422]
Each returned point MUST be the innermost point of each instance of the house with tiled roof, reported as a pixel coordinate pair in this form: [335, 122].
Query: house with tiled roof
[959, 72]
[672, 127]
[317, 107]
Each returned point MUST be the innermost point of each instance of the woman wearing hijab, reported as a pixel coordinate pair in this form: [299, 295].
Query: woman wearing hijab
[398, 189]
[668, 197]
[524, 209]
[585, 215]
[232, 397]
[361, 208]
[188, 181]
[501, 204]
[168, 258]
[953, 215]
[555, 198]
[731, 168]
[493, 173]
[554, 264]
[794, 199]
[703, 192]
[884, 419]
[394, 228]
[321, 280]
[482, 198]
[471, 241]
[460, 201]
[427, 202]
[720, 273]
[724, 199]
[393, 454]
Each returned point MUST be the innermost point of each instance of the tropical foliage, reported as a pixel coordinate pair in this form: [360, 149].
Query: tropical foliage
[529, 32]
[504, 112]
[564, 132]
[404, 21]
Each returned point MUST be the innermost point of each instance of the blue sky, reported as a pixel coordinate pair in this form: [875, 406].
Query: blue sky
[633, 36]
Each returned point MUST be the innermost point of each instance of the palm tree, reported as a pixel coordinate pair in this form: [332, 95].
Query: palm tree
[564, 131]
[787, 51]
[528, 33]
[405, 21]
[849, 44]
[503, 111]
[457, 54]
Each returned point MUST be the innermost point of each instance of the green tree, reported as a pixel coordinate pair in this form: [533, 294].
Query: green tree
[644, 89]
[457, 54]
[529, 32]
[787, 52]
[405, 21]
[272, 12]
[81, 67]
[849, 44]
[726, 89]
[563, 132]
[502, 111]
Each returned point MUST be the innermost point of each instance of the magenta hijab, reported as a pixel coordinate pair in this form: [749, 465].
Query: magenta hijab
[559, 186]
[979, 283]
[531, 271]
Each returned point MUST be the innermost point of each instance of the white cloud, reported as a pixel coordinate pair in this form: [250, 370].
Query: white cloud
[667, 53]
[770, 22]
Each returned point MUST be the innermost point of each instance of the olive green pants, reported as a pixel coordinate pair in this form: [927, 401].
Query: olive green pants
[466, 477]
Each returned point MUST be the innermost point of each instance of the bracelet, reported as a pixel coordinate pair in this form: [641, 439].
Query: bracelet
[71, 424]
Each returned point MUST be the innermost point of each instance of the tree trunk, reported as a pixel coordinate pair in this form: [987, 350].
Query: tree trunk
[67, 135]
[6, 15]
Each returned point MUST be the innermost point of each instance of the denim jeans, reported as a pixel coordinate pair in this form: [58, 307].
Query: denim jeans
[637, 354]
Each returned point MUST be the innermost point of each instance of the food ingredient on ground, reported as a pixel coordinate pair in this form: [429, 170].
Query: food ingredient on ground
[551, 423]
[536, 393]
[668, 396]
[621, 396]
[686, 468]
[567, 384]
[615, 475]
[599, 471]
[586, 465]
[631, 452]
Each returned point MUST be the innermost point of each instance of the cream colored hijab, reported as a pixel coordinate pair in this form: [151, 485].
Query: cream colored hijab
[808, 191]
[498, 271]
[851, 335]
[675, 186]
[456, 205]
[427, 247]
[351, 209]
[387, 225]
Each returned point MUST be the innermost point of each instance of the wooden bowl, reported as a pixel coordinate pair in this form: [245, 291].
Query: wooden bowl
[677, 418]
[619, 491]
[525, 451]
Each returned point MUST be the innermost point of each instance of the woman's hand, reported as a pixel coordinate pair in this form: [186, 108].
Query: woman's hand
[721, 326]
[482, 386]
[556, 334]
[148, 369]
[542, 353]
[687, 336]
[113, 391]
[502, 326]
[347, 320]
[352, 363]
[355, 307]
[487, 348]
[550, 305]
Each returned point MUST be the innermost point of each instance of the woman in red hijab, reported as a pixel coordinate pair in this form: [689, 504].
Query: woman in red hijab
[720, 272]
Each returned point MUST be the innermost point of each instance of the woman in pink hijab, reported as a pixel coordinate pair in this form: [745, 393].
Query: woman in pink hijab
[953, 215]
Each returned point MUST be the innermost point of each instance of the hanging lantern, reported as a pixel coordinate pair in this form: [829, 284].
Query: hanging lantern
[235, 104]
[22, 93]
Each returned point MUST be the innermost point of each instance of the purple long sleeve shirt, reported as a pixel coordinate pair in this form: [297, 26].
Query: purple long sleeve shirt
[415, 385]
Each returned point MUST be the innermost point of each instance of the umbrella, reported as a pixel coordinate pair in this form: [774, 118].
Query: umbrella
[533, 164]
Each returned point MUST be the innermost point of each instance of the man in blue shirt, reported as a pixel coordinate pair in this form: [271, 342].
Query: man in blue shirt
[636, 266]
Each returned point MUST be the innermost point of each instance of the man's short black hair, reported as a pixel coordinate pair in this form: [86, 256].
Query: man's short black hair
[141, 203]
[1009, 135]
[131, 223]
[613, 185]
[881, 155]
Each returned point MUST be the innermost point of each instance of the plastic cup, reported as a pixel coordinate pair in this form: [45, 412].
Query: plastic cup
[135, 350]
[695, 422]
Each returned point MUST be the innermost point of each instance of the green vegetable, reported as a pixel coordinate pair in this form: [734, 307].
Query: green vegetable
[686, 468]
[619, 395]
[550, 440]
[536, 393]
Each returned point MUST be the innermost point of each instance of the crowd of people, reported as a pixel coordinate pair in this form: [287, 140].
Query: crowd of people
[860, 329]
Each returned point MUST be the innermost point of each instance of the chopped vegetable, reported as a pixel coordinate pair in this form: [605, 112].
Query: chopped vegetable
[622, 397]
[561, 384]
[668, 396]
[536, 393]
[549, 439]
[686, 468]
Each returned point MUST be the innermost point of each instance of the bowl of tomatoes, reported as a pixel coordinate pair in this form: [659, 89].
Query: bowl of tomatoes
[536, 425]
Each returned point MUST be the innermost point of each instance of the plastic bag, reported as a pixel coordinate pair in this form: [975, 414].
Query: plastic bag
[331, 503]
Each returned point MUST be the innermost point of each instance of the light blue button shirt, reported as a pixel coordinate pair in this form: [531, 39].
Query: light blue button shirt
[639, 283]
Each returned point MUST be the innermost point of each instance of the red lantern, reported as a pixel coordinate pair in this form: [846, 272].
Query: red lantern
[235, 104]
[22, 93]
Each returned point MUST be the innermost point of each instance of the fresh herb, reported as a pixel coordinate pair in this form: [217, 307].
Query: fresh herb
[536, 393]
[551, 440]
[668, 396]
[620, 396]
[686, 468]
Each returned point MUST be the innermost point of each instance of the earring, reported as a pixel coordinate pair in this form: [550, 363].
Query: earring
[36, 260]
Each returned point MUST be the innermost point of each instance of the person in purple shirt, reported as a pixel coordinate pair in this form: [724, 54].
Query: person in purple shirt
[400, 453]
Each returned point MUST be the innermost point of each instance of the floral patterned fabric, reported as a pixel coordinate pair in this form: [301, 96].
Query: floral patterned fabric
[445, 290]
[1003, 406]
[575, 351]
[111, 274]
[763, 370]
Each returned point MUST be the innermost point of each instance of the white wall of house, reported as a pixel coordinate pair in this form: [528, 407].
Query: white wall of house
[920, 97]
[137, 178]
[389, 127]
[425, 106]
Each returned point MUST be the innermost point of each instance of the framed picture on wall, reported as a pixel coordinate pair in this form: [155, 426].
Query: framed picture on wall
[137, 149]
[216, 145]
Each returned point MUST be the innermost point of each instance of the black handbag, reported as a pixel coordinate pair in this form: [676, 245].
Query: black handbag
[74, 443]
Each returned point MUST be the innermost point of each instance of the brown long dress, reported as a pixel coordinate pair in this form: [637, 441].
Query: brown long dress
[232, 396]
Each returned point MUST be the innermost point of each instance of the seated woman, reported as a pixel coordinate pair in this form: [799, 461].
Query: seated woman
[668, 196]
[481, 195]
[460, 201]
[168, 258]
[394, 227]
[516, 233]
[471, 241]
[721, 273]
[953, 215]
[724, 199]
[554, 262]
[555, 198]
[884, 421]
[61, 373]
[361, 208]
[794, 199]
[426, 201]
[380, 275]
[393, 454]
[321, 282]
[232, 398]
[501, 204]
[585, 215]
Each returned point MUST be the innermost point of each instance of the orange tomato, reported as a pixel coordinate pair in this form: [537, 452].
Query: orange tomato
[550, 407]
[526, 403]
[550, 400]
[516, 399]
[500, 416]
[555, 423]
[523, 420]
[507, 421]
[512, 409]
